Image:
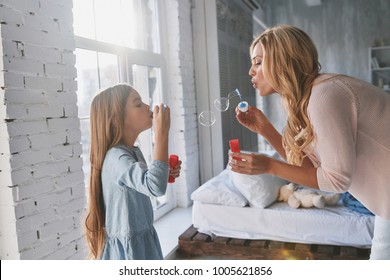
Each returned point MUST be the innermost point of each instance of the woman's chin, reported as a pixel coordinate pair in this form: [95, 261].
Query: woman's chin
[264, 93]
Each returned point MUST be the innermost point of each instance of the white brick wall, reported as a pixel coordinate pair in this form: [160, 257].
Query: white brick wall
[183, 100]
[41, 180]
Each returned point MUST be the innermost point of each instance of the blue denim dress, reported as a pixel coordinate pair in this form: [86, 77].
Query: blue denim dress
[128, 184]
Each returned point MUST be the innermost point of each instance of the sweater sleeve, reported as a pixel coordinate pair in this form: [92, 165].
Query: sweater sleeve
[333, 114]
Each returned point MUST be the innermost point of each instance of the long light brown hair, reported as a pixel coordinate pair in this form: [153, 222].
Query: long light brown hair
[107, 120]
[290, 65]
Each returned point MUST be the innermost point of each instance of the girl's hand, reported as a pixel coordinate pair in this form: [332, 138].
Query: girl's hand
[162, 120]
[254, 119]
[175, 171]
[250, 164]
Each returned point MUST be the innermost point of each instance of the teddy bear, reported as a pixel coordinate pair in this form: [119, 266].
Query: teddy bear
[302, 197]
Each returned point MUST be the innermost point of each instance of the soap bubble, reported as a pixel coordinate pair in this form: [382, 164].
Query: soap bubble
[206, 118]
[234, 93]
[221, 104]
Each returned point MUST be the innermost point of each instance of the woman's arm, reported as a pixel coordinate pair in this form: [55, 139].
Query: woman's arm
[255, 120]
[259, 164]
[302, 175]
[274, 138]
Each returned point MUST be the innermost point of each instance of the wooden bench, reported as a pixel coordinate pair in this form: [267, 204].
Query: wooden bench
[195, 244]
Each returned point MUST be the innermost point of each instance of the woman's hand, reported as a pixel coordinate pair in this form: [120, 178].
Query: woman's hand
[250, 164]
[162, 120]
[175, 171]
[254, 119]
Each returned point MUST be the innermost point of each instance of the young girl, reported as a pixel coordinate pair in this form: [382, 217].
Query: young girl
[119, 222]
[337, 136]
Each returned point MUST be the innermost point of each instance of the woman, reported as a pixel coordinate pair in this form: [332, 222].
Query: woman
[337, 136]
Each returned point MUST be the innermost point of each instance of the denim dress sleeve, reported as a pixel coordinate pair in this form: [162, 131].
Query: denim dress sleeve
[128, 183]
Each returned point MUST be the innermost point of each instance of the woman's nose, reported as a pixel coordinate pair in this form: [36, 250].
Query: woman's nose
[251, 72]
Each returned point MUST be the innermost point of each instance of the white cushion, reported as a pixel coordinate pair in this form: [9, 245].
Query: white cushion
[260, 190]
[219, 190]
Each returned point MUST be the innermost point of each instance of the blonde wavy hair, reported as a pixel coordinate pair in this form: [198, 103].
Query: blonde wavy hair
[290, 66]
[106, 120]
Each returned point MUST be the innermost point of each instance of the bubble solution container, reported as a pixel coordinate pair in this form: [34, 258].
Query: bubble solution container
[235, 147]
[243, 106]
[173, 161]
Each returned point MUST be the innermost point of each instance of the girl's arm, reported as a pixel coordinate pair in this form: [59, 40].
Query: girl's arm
[162, 122]
[127, 168]
[161, 148]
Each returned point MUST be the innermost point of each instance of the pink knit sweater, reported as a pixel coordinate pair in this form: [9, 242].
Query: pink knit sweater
[351, 122]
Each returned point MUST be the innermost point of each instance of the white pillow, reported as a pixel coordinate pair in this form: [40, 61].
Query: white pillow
[219, 190]
[260, 190]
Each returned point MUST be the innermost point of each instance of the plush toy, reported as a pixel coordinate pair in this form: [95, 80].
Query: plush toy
[306, 198]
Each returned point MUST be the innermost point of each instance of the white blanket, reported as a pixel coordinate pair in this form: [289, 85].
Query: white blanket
[331, 225]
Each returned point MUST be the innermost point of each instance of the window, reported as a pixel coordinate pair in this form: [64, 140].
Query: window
[118, 41]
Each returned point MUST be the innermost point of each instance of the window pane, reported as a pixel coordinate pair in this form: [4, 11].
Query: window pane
[95, 71]
[83, 17]
[108, 70]
[147, 81]
[146, 33]
[129, 23]
[87, 79]
[110, 21]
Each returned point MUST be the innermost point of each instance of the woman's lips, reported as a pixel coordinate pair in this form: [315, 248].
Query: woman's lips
[253, 83]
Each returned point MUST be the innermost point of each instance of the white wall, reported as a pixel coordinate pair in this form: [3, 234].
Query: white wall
[41, 178]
